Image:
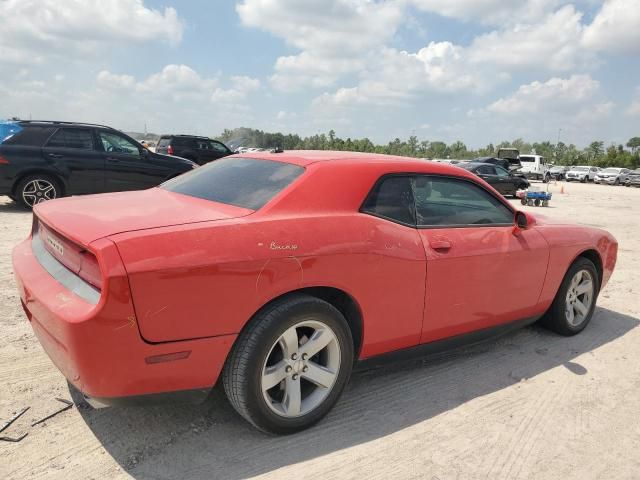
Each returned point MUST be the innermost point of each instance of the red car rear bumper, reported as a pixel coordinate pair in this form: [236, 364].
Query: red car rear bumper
[98, 347]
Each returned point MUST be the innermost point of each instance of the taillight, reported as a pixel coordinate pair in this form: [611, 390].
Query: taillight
[90, 270]
[76, 258]
[3, 160]
[170, 150]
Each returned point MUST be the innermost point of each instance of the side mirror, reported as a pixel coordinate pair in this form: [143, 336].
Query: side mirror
[522, 221]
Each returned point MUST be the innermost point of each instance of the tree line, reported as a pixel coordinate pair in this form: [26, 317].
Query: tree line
[596, 153]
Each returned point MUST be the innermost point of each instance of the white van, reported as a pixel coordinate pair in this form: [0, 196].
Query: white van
[535, 167]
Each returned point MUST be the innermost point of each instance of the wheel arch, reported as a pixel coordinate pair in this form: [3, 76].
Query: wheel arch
[336, 297]
[42, 171]
[594, 256]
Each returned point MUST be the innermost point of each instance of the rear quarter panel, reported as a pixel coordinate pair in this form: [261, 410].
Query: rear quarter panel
[209, 279]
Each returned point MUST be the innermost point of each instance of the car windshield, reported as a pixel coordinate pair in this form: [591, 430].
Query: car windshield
[580, 169]
[611, 170]
[243, 182]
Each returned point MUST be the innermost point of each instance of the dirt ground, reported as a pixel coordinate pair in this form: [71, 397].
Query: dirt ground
[529, 405]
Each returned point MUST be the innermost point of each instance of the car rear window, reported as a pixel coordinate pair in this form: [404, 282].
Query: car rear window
[243, 182]
[78, 138]
[30, 136]
[527, 159]
[163, 142]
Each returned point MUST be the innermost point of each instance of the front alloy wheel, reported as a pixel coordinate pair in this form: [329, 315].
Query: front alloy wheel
[579, 298]
[575, 301]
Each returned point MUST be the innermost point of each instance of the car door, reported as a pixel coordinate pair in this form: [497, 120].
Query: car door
[395, 268]
[72, 151]
[508, 183]
[128, 166]
[488, 174]
[481, 272]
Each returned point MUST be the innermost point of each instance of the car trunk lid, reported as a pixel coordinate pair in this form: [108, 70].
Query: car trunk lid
[85, 219]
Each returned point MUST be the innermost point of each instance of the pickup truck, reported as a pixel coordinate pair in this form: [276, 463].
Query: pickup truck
[535, 167]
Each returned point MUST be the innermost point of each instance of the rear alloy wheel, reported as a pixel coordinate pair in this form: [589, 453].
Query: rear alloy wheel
[575, 301]
[37, 189]
[290, 365]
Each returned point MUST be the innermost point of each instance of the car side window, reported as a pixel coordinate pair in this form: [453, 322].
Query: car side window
[486, 170]
[392, 198]
[217, 146]
[78, 138]
[501, 172]
[452, 202]
[114, 143]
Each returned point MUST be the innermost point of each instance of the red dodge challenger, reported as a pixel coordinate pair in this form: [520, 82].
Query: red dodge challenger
[277, 273]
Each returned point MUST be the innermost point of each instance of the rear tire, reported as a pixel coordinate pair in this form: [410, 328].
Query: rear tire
[268, 378]
[573, 306]
[34, 189]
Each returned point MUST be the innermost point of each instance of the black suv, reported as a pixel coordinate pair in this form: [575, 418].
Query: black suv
[43, 160]
[199, 149]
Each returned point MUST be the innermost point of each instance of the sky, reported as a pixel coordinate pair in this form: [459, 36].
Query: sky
[479, 71]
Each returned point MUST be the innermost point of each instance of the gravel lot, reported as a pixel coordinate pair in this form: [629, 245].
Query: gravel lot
[529, 405]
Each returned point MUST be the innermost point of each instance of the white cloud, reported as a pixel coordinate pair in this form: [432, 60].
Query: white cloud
[492, 12]
[634, 107]
[241, 87]
[556, 94]
[35, 30]
[176, 82]
[615, 28]
[397, 77]
[552, 44]
[111, 81]
[333, 35]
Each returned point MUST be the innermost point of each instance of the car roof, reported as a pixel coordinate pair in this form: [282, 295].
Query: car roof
[57, 123]
[168, 135]
[309, 157]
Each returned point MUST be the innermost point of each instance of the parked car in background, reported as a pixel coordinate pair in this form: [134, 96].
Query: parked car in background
[512, 155]
[633, 178]
[263, 275]
[535, 167]
[44, 160]
[581, 174]
[450, 161]
[559, 172]
[503, 181]
[501, 162]
[197, 149]
[612, 176]
[148, 144]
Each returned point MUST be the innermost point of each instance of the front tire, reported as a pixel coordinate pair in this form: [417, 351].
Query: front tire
[35, 189]
[289, 366]
[575, 301]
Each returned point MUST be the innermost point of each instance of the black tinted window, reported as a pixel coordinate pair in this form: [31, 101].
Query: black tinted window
[243, 182]
[442, 201]
[486, 170]
[33, 136]
[72, 138]
[392, 198]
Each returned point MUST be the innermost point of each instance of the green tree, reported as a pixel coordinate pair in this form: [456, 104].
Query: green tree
[634, 144]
